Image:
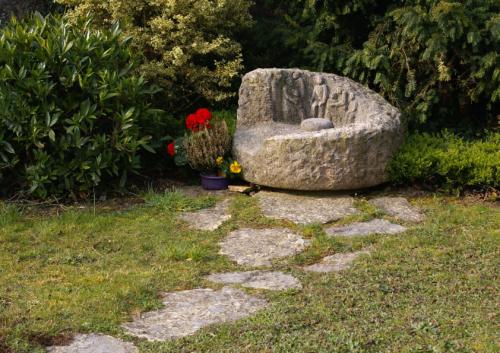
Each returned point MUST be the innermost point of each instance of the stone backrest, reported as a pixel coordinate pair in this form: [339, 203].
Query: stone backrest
[290, 96]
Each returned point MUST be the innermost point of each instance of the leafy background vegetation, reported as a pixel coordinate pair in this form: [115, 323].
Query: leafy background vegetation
[436, 60]
[72, 112]
[188, 46]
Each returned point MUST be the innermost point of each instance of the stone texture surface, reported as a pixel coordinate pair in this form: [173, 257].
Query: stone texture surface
[398, 207]
[274, 151]
[258, 280]
[208, 219]
[376, 226]
[197, 191]
[188, 311]
[316, 124]
[95, 344]
[257, 247]
[305, 208]
[335, 263]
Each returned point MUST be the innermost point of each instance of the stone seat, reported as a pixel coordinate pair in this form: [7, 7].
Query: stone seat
[274, 151]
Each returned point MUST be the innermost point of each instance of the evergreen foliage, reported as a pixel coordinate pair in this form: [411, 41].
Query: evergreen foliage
[446, 160]
[73, 116]
[437, 60]
[188, 45]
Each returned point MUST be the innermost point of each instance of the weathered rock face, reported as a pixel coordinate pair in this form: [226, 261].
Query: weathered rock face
[305, 209]
[188, 311]
[398, 207]
[275, 151]
[258, 247]
[316, 124]
[95, 344]
[335, 263]
[376, 226]
[258, 280]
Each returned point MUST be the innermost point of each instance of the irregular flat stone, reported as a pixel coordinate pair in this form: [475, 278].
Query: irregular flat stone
[257, 247]
[335, 263]
[208, 219]
[398, 207]
[94, 343]
[258, 280]
[197, 191]
[274, 151]
[305, 209]
[188, 311]
[316, 124]
[376, 226]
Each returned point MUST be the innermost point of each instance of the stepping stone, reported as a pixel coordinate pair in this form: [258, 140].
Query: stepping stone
[94, 343]
[335, 263]
[208, 219]
[197, 191]
[258, 280]
[376, 226]
[305, 209]
[188, 311]
[257, 247]
[398, 207]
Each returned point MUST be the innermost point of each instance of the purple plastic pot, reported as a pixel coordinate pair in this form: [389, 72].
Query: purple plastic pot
[214, 182]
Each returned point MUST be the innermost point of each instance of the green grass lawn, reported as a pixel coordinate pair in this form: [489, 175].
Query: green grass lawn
[432, 289]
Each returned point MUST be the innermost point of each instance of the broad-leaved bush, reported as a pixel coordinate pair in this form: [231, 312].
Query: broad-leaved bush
[188, 45]
[73, 115]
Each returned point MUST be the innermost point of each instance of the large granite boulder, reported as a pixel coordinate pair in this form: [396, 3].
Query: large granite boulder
[277, 149]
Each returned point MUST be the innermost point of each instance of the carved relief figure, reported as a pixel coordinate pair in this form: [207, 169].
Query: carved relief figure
[276, 93]
[342, 106]
[293, 92]
[320, 97]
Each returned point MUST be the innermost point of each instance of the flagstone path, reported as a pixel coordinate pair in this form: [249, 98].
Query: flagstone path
[376, 226]
[335, 263]
[258, 280]
[304, 208]
[208, 219]
[95, 344]
[399, 208]
[258, 247]
[186, 312]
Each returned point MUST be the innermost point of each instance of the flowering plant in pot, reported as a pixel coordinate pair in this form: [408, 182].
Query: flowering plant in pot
[206, 147]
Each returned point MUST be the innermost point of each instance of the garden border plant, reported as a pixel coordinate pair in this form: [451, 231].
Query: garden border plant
[448, 161]
[206, 147]
[73, 115]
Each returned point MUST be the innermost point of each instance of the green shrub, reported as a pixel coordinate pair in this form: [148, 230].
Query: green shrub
[437, 60]
[446, 160]
[188, 45]
[72, 115]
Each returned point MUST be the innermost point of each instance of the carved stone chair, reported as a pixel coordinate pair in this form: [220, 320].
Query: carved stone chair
[276, 150]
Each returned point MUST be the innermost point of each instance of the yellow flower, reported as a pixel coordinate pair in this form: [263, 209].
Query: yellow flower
[219, 161]
[235, 167]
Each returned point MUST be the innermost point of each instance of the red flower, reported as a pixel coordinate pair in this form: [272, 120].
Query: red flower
[191, 122]
[204, 115]
[171, 149]
[199, 120]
